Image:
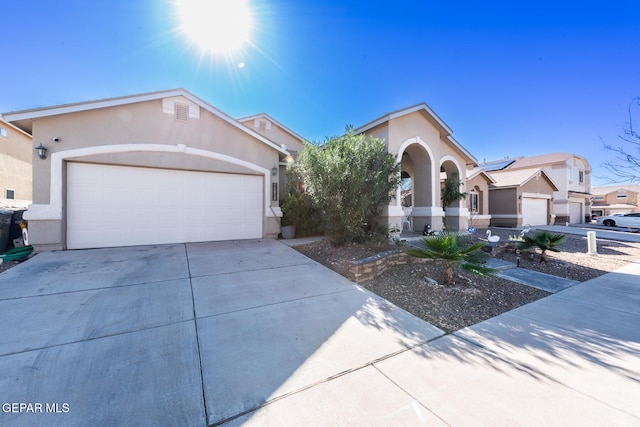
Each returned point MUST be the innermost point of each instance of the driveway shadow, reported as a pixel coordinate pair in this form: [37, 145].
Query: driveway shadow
[287, 324]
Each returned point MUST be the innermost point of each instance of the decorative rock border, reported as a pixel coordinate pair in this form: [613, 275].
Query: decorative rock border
[369, 268]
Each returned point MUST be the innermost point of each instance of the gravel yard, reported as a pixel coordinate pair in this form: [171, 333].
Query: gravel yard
[473, 298]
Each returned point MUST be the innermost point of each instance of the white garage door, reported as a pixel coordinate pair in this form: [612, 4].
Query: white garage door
[575, 213]
[534, 211]
[126, 206]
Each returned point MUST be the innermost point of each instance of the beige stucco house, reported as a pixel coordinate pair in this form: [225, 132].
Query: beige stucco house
[16, 154]
[519, 197]
[572, 175]
[155, 168]
[424, 145]
[611, 199]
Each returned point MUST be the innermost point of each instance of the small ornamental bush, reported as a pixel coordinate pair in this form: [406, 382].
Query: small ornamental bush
[454, 249]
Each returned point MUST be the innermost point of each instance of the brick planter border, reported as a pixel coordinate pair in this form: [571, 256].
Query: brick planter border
[369, 268]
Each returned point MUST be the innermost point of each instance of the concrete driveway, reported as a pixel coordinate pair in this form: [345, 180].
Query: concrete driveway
[253, 333]
[190, 335]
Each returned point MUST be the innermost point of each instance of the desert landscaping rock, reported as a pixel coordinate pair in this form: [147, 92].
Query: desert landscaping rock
[473, 298]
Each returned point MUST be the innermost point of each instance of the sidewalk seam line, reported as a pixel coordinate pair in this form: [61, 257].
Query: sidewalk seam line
[410, 395]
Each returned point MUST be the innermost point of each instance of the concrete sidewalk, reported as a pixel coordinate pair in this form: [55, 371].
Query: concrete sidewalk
[569, 359]
[254, 333]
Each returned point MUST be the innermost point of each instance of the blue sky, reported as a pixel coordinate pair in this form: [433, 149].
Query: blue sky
[510, 78]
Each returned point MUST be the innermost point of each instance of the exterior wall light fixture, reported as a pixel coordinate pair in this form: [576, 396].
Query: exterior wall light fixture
[42, 151]
[274, 171]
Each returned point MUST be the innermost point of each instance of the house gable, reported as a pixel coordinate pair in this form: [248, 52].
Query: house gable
[400, 120]
[170, 98]
[275, 131]
[522, 177]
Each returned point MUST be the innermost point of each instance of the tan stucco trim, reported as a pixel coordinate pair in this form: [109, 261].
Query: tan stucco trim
[474, 216]
[403, 146]
[53, 210]
[432, 211]
[518, 216]
[457, 212]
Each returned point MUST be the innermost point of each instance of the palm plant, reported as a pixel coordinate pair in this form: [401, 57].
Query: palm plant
[455, 249]
[543, 240]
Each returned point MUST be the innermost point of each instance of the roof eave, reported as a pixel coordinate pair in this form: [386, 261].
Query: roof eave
[28, 115]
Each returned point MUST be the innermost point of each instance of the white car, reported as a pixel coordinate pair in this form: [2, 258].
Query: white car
[621, 220]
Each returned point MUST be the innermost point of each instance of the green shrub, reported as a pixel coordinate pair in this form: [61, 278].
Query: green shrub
[542, 240]
[298, 210]
[350, 179]
[454, 249]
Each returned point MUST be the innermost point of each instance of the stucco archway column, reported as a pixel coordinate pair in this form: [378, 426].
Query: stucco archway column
[457, 215]
[424, 211]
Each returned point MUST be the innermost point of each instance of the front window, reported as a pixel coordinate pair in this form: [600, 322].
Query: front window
[581, 177]
[473, 201]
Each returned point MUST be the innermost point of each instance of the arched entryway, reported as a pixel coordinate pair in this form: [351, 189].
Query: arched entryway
[456, 213]
[416, 197]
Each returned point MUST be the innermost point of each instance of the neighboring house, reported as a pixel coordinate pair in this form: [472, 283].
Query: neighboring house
[612, 199]
[478, 183]
[162, 167]
[16, 154]
[275, 131]
[521, 197]
[423, 144]
[572, 175]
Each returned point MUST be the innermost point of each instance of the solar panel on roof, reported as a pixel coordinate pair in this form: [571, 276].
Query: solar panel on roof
[496, 166]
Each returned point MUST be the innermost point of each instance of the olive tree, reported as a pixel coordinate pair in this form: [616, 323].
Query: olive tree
[350, 178]
[450, 192]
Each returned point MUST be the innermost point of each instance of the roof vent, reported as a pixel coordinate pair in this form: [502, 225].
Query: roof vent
[181, 108]
[181, 112]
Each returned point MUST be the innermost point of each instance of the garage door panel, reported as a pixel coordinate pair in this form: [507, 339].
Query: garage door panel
[575, 213]
[535, 211]
[122, 206]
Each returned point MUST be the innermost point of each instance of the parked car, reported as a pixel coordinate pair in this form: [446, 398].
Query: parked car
[621, 220]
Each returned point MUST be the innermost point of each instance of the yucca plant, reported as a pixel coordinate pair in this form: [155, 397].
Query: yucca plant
[455, 249]
[543, 240]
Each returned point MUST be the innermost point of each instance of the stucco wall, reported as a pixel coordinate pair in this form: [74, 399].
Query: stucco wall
[145, 124]
[613, 199]
[277, 135]
[538, 184]
[16, 156]
[480, 219]
[420, 141]
[503, 207]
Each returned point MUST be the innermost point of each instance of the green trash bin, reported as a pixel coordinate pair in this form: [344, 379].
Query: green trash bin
[5, 226]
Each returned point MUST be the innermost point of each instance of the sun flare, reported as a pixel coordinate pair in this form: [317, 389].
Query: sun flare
[215, 25]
